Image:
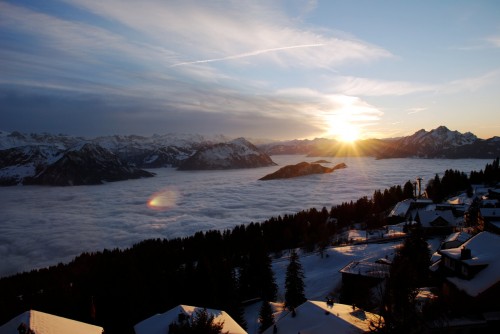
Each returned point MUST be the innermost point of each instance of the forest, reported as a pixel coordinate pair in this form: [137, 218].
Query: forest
[117, 288]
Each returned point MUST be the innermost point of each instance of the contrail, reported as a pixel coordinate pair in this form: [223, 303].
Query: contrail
[248, 54]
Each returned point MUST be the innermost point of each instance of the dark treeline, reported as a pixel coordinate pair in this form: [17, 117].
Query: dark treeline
[215, 269]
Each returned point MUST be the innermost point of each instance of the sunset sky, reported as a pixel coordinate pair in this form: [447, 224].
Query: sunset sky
[261, 69]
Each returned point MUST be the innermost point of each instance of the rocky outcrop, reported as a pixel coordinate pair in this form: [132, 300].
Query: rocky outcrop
[238, 153]
[301, 169]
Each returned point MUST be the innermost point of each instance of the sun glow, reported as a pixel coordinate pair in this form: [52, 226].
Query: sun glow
[344, 131]
[348, 134]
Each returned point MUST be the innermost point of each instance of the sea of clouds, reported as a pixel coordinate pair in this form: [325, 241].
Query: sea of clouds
[41, 226]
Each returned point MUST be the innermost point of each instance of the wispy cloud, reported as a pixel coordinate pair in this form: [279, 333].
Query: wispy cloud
[248, 54]
[494, 41]
[205, 30]
[471, 84]
[416, 110]
[357, 86]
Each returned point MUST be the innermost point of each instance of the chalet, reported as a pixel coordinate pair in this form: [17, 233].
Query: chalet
[159, 323]
[317, 317]
[401, 211]
[472, 273]
[359, 277]
[489, 219]
[43, 323]
[436, 221]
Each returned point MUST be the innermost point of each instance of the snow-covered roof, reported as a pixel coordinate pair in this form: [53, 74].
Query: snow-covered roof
[458, 236]
[490, 213]
[401, 208]
[315, 317]
[427, 217]
[370, 269]
[486, 202]
[158, 324]
[424, 201]
[484, 247]
[44, 323]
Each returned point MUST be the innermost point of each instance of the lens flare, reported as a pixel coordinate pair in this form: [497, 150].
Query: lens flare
[163, 200]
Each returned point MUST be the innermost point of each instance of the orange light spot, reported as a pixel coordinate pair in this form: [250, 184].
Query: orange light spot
[163, 200]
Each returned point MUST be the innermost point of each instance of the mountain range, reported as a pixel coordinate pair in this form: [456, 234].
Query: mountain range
[68, 160]
[437, 143]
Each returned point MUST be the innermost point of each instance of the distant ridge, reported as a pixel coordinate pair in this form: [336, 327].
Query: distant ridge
[25, 158]
[437, 143]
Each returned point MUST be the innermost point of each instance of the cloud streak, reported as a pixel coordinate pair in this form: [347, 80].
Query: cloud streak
[248, 54]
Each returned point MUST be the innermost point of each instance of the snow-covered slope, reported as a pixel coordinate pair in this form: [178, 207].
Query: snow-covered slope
[238, 153]
[86, 164]
[61, 159]
[18, 163]
[437, 143]
[144, 152]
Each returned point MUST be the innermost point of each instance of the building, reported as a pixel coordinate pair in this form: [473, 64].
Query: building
[159, 323]
[43, 323]
[489, 219]
[315, 317]
[436, 221]
[358, 280]
[472, 274]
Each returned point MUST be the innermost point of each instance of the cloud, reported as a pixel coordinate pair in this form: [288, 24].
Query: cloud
[416, 110]
[494, 41]
[373, 87]
[42, 226]
[357, 86]
[248, 54]
[471, 84]
[195, 31]
[127, 56]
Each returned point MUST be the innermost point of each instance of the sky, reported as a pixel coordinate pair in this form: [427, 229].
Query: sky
[277, 69]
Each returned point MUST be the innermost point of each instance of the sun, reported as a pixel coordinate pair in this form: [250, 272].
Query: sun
[345, 132]
[348, 134]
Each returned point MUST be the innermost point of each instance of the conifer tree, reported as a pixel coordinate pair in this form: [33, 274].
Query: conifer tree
[266, 318]
[199, 323]
[294, 283]
[408, 190]
[409, 271]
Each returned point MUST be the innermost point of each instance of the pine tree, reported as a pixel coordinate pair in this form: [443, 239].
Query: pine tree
[408, 190]
[294, 283]
[266, 318]
[409, 271]
[199, 323]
